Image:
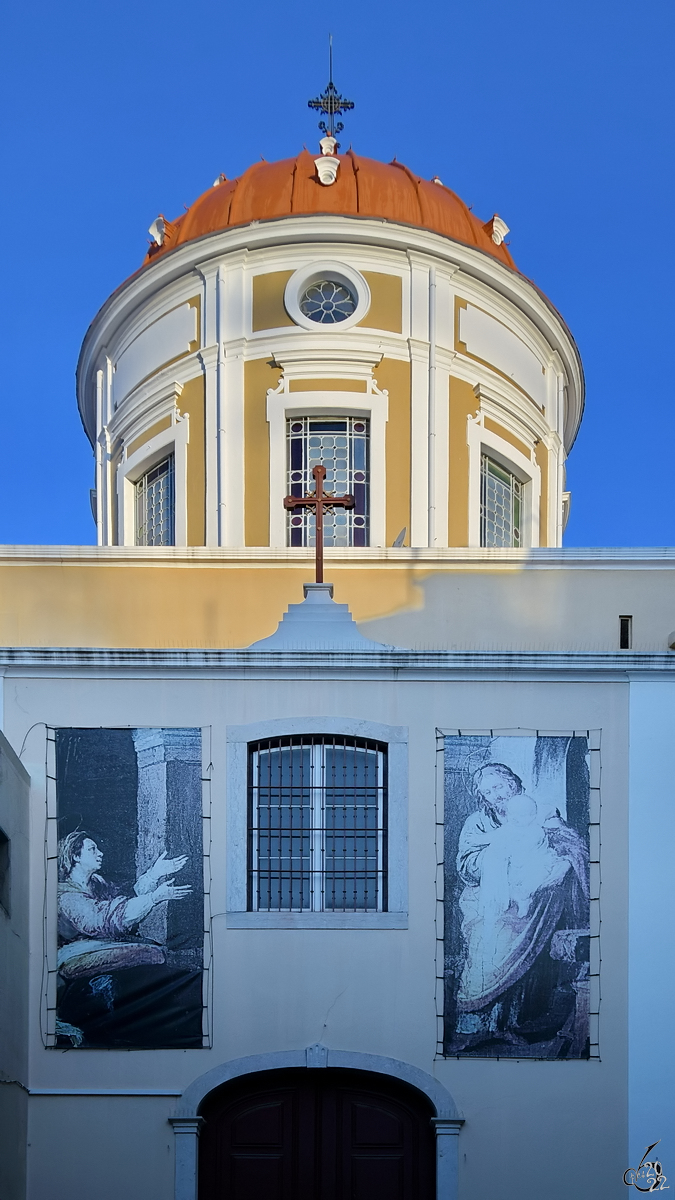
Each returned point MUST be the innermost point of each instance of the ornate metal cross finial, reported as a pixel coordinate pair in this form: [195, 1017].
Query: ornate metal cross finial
[331, 102]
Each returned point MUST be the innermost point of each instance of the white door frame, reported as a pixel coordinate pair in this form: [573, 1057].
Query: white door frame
[186, 1122]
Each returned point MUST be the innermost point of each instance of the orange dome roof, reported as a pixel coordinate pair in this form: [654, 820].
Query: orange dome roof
[363, 188]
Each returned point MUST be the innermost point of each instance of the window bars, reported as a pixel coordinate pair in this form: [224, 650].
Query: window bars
[500, 505]
[341, 445]
[317, 821]
[155, 505]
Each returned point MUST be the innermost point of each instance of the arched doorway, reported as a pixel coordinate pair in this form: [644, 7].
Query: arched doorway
[303, 1134]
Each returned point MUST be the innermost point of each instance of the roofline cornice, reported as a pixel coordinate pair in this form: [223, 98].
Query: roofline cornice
[196, 255]
[352, 558]
[618, 667]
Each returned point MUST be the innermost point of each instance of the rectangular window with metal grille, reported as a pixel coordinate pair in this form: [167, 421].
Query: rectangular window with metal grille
[341, 445]
[317, 825]
[501, 495]
[155, 505]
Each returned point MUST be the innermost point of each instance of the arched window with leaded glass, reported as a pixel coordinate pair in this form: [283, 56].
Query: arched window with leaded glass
[341, 444]
[501, 502]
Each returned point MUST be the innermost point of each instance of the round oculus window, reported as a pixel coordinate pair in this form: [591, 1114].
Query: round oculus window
[327, 302]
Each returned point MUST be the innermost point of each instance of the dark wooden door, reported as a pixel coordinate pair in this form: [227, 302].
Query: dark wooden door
[317, 1134]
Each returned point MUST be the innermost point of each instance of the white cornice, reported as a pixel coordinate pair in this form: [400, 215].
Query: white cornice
[406, 558]
[354, 346]
[508, 402]
[200, 254]
[326, 360]
[396, 664]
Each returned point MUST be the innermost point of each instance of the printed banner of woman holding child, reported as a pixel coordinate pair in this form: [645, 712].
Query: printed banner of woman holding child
[516, 896]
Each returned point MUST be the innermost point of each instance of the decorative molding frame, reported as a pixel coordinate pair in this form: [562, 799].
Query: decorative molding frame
[187, 1122]
[480, 440]
[372, 404]
[172, 440]
[336, 271]
[238, 738]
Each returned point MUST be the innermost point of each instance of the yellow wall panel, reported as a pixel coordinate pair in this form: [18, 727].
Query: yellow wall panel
[259, 375]
[327, 385]
[541, 454]
[507, 436]
[463, 404]
[268, 311]
[386, 302]
[393, 376]
[158, 427]
[193, 401]
[385, 312]
[127, 604]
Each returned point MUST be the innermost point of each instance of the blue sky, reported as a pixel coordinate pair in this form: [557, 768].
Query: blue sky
[557, 116]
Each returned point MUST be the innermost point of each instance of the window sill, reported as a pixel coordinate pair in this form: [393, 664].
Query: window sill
[318, 920]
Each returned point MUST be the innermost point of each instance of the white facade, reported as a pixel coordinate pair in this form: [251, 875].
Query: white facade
[283, 984]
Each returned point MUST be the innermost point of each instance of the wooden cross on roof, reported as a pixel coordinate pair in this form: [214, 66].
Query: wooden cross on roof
[321, 502]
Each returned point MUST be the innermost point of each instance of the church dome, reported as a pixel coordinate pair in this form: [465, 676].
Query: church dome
[363, 188]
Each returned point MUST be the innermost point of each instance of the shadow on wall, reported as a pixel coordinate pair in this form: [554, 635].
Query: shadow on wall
[526, 610]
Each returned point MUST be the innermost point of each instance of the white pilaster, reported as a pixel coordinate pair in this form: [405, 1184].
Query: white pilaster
[209, 361]
[186, 1132]
[447, 1157]
[419, 442]
[108, 483]
[234, 308]
[442, 448]
[420, 380]
[432, 410]
[98, 449]
[232, 443]
[209, 341]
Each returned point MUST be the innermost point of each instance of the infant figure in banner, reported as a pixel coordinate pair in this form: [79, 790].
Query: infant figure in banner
[520, 859]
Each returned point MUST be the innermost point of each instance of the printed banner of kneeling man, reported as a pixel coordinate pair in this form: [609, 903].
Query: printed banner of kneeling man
[517, 923]
[130, 888]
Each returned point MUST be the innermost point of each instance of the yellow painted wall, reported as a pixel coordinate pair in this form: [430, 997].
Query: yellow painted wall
[259, 375]
[327, 385]
[541, 454]
[148, 434]
[268, 311]
[89, 598]
[386, 302]
[193, 401]
[385, 312]
[393, 376]
[125, 603]
[506, 436]
[84, 597]
[463, 404]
